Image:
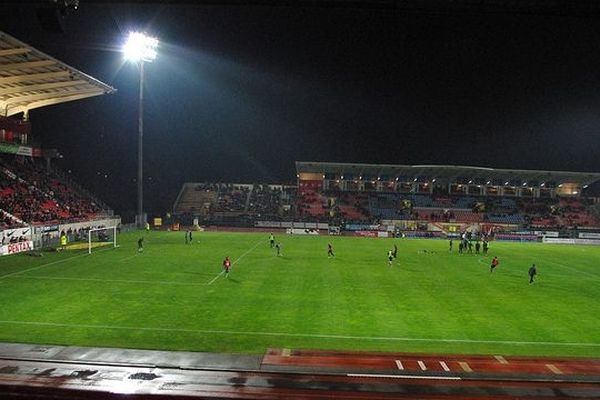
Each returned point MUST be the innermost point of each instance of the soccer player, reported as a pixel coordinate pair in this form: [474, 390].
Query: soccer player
[330, 250]
[395, 253]
[226, 266]
[485, 247]
[532, 272]
[186, 238]
[140, 245]
[450, 243]
[272, 240]
[63, 240]
[390, 257]
[494, 264]
[477, 247]
[190, 233]
[278, 248]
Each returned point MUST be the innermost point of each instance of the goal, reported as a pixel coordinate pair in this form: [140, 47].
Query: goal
[102, 237]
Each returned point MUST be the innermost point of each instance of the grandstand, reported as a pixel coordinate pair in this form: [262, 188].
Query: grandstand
[425, 197]
[33, 193]
[234, 201]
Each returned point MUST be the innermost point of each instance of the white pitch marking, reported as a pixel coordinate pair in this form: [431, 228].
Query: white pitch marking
[465, 366]
[238, 259]
[284, 334]
[444, 366]
[215, 278]
[399, 365]
[453, 378]
[501, 359]
[58, 278]
[554, 369]
[50, 263]
[422, 365]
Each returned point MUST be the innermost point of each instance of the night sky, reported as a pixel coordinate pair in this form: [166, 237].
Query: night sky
[238, 93]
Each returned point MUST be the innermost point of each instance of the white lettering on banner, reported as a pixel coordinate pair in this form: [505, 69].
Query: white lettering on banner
[14, 248]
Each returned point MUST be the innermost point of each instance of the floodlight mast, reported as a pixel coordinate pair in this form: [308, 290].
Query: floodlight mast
[141, 49]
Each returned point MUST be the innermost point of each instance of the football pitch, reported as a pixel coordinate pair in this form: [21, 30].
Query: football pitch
[173, 296]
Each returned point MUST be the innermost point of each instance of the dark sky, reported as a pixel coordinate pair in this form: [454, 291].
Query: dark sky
[238, 93]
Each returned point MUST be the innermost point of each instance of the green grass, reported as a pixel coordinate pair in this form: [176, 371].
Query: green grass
[426, 302]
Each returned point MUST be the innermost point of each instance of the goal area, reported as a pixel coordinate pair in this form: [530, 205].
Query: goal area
[102, 237]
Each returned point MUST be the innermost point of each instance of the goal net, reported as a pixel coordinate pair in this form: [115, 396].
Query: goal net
[102, 237]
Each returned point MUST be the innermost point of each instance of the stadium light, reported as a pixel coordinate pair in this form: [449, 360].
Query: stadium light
[140, 48]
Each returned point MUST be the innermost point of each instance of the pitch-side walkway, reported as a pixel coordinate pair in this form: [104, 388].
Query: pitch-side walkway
[57, 372]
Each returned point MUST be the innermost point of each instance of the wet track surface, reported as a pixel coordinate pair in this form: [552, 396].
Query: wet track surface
[29, 371]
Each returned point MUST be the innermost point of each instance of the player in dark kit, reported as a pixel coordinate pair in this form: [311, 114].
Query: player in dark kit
[494, 263]
[450, 243]
[226, 266]
[532, 273]
[140, 245]
[395, 253]
[330, 250]
[190, 233]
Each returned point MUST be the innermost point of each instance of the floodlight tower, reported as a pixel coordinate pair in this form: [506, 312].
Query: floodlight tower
[140, 49]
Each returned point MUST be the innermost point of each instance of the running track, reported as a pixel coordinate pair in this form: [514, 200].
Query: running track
[42, 372]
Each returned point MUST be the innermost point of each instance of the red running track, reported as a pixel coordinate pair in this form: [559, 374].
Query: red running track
[304, 374]
[426, 363]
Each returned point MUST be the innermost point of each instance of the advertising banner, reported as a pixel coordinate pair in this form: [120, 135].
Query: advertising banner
[13, 148]
[15, 235]
[589, 235]
[14, 248]
[300, 231]
[24, 151]
[366, 233]
[571, 241]
[547, 233]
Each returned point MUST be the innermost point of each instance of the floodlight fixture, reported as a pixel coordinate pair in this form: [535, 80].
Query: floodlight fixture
[140, 47]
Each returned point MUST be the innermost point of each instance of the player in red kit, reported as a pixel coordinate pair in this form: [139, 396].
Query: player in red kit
[494, 264]
[226, 266]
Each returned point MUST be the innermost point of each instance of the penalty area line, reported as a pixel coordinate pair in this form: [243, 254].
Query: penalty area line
[127, 281]
[234, 262]
[305, 335]
[50, 263]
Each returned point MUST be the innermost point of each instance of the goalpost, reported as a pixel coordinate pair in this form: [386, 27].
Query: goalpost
[100, 237]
